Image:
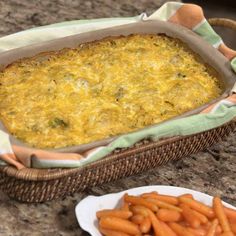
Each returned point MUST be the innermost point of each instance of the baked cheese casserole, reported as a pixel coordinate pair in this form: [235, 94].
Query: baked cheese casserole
[101, 89]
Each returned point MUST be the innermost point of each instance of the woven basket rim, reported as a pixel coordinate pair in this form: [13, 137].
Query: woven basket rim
[224, 22]
[57, 173]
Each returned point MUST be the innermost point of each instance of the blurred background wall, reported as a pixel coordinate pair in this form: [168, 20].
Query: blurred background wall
[17, 15]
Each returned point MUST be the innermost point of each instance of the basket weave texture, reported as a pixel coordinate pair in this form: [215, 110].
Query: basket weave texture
[36, 185]
[223, 22]
[40, 185]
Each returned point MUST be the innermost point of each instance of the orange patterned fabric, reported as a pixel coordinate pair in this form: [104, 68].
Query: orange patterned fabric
[189, 15]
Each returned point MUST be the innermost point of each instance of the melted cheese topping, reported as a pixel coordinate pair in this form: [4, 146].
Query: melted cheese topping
[102, 89]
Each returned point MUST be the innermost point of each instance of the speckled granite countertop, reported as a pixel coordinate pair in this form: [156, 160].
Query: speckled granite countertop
[212, 171]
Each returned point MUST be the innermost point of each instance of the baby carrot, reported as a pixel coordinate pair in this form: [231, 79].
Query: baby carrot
[233, 228]
[108, 232]
[212, 229]
[230, 213]
[220, 214]
[118, 224]
[145, 225]
[168, 215]
[139, 210]
[137, 219]
[189, 216]
[162, 204]
[125, 206]
[197, 232]
[149, 195]
[227, 234]
[198, 206]
[140, 201]
[156, 224]
[218, 230]
[208, 225]
[168, 230]
[117, 213]
[203, 219]
[180, 230]
[165, 198]
[187, 195]
[169, 199]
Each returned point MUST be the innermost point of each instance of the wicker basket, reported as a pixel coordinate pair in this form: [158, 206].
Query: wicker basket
[39, 185]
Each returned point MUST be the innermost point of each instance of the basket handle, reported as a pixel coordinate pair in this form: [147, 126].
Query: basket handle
[228, 23]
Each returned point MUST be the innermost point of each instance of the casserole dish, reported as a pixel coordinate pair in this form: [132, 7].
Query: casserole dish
[208, 54]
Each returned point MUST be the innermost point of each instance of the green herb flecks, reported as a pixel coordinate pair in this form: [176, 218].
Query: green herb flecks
[57, 122]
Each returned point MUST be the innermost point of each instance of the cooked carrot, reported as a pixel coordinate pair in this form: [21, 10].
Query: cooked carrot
[213, 228]
[198, 206]
[169, 199]
[180, 230]
[108, 232]
[137, 219]
[168, 230]
[125, 206]
[197, 232]
[139, 210]
[220, 214]
[145, 226]
[149, 195]
[203, 219]
[156, 224]
[189, 216]
[218, 230]
[233, 228]
[140, 201]
[167, 215]
[187, 195]
[230, 213]
[162, 204]
[116, 213]
[232, 221]
[165, 198]
[183, 223]
[118, 224]
[227, 234]
[208, 225]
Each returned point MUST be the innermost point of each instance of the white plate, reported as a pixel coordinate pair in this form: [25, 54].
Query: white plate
[86, 209]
